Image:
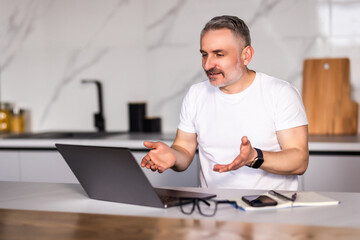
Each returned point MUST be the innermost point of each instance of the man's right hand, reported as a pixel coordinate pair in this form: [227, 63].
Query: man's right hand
[160, 157]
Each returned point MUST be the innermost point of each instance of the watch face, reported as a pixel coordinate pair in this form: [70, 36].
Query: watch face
[257, 163]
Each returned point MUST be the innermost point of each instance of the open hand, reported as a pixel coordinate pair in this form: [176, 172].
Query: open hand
[159, 158]
[247, 154]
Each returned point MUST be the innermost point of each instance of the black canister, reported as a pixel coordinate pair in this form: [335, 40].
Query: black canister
[137, 112]
[152, 125]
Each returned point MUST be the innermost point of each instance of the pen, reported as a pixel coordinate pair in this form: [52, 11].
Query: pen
[293, 197]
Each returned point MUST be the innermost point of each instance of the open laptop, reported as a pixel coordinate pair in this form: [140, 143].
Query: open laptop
[113, 174]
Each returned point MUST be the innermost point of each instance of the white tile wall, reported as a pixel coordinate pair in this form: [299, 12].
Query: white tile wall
[148, 50]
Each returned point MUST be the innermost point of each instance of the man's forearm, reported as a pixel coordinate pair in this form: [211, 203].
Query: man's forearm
[291, 161]
[183, 158]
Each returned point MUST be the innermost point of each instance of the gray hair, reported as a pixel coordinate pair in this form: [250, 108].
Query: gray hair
[233, 23]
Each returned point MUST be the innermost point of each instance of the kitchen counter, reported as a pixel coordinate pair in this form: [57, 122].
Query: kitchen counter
[335, 143]
[317, 143]
[128, 140]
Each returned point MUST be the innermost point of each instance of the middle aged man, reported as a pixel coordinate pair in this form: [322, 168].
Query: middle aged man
[250, 128]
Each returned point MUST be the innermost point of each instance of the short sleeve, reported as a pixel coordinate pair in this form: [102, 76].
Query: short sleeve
[290, 111]
[187, 113]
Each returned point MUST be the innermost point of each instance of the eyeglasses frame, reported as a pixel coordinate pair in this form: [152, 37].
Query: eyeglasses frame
[195, 202]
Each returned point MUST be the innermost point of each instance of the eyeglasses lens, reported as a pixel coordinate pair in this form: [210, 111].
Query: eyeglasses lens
[207, 207]
[187, 206]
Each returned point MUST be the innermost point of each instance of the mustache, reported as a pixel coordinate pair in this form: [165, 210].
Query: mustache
[214, 71]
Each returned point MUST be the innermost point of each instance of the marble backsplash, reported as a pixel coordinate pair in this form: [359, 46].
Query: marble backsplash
[148, 50]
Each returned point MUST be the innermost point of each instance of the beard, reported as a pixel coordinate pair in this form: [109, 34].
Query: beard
[228, 79]
[213, 73]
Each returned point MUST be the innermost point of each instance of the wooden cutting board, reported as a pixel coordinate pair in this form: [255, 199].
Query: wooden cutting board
[326, 96]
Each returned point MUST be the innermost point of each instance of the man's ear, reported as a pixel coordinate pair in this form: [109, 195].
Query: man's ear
[247, 54]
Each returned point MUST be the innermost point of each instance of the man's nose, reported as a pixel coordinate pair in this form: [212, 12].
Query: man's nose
[208, 63]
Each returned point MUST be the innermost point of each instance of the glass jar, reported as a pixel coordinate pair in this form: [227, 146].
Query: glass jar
[17, 123]
[5, 117]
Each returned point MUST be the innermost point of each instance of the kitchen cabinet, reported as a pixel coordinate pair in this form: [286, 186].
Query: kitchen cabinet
[44, 166]
[9, 165]
[335, 173]
[334, 161]
[332, 173]
[49, 166]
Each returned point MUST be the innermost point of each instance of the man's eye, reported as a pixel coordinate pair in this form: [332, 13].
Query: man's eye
[219, 55]
[204, 55]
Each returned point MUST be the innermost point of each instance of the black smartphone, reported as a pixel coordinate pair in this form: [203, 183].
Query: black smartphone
[259, 200]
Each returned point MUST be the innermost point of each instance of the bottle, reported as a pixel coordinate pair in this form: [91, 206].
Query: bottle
[5, 117]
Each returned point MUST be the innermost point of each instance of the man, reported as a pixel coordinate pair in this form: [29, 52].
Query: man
[250, 128]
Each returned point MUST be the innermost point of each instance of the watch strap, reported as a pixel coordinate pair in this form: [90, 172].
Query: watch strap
[258, 161]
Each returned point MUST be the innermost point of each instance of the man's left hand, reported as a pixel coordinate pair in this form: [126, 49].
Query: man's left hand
[247, 154]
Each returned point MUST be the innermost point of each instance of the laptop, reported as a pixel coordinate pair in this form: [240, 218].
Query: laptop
[113, 174]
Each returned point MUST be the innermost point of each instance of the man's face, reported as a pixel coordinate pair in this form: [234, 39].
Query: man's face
[221, 57]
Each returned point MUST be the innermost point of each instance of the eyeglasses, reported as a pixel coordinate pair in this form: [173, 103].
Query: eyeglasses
[206, 207]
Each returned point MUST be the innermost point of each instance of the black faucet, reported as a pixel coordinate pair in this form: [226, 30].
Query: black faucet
[98, 117]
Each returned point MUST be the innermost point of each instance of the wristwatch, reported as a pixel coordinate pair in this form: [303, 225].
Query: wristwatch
[258, 160]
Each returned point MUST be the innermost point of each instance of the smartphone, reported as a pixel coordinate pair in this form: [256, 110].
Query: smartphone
[259, 200]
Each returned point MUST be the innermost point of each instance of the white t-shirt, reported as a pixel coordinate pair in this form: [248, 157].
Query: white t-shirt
[220, 120]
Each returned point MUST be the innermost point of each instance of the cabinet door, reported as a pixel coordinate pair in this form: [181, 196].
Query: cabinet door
[9, 165]
[44, 166]
[332, 173]
[188, 178]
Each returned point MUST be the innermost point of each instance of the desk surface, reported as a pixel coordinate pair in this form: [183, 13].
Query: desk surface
[71, 198]
[42, 225]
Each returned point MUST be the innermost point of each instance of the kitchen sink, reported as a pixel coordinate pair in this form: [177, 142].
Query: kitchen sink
[64, 135]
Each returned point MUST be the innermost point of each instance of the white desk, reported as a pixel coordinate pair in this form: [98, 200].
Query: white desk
[72, 198]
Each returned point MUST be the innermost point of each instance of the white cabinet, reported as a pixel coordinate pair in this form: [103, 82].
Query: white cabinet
[325, 172]
[332, 173]
[49, 166]
[44, 166]
[9, 165]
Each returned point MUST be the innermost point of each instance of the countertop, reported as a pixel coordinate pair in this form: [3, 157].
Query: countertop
[317, 143]
[333, 143]
[128, 140]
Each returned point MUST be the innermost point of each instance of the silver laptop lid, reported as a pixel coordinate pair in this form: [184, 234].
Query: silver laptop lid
[113, 174]
[110, 173]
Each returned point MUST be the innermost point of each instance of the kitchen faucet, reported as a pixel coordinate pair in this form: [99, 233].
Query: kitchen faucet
[98, 117]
